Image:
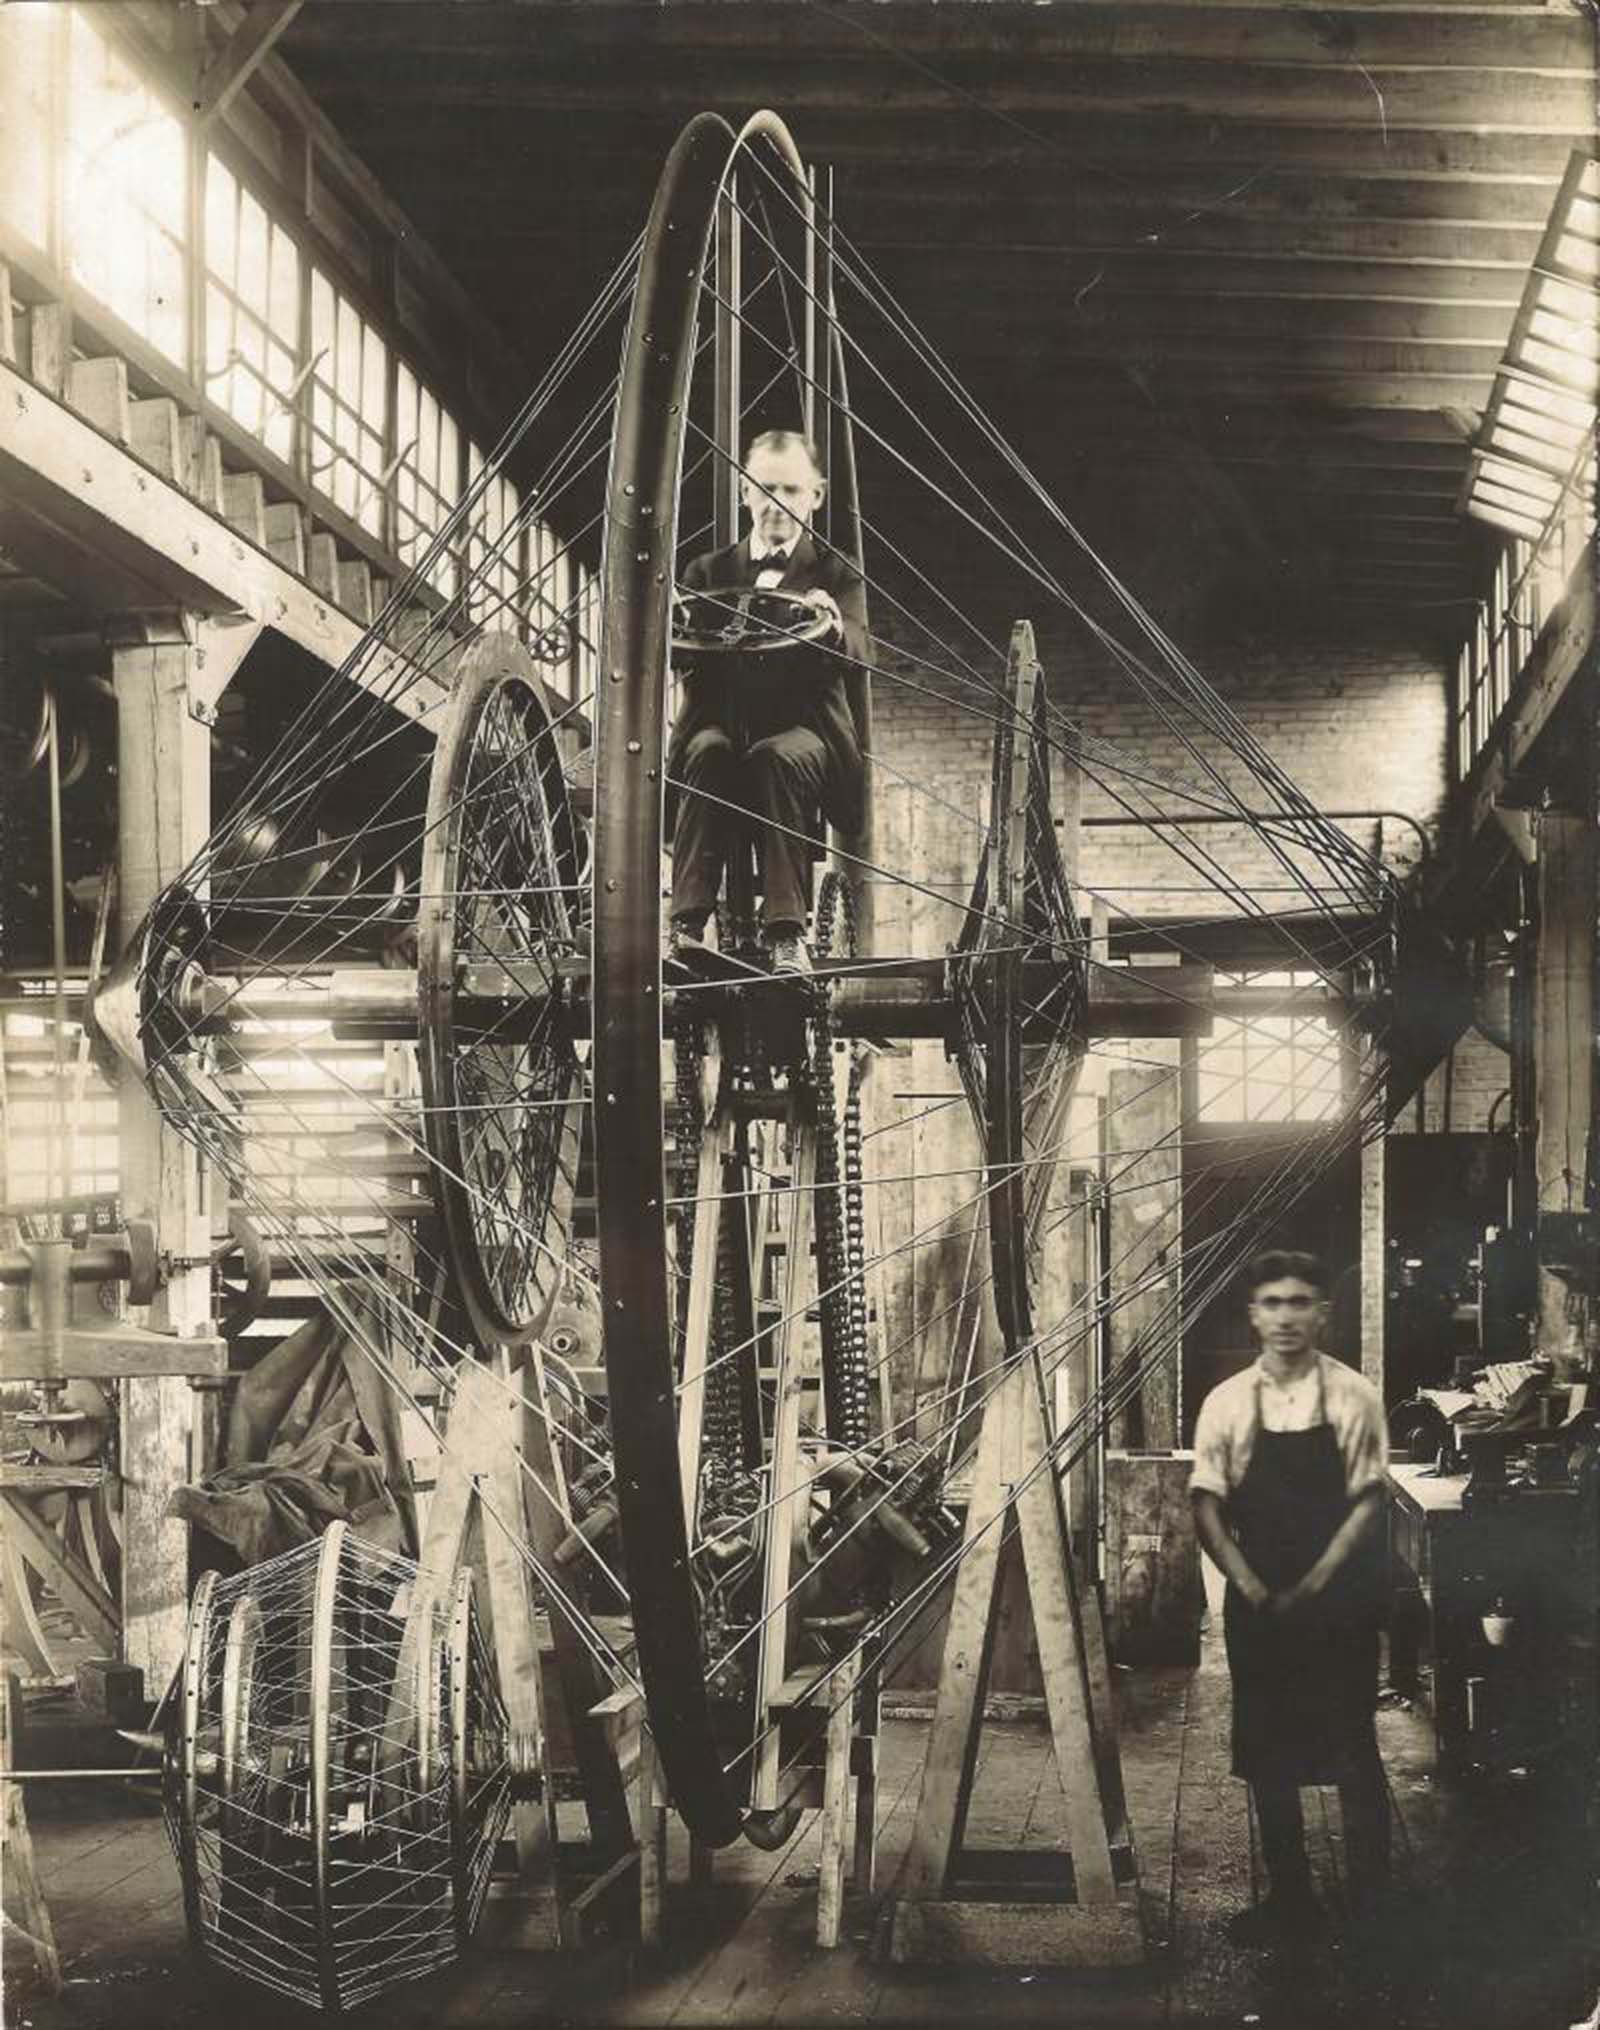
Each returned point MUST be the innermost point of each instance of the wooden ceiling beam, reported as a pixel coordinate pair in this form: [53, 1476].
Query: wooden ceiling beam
[966, 42]
[1431, 255]
[1105, 150]
[1313, 470]
[895, 227]
[674, 86]
[1269, 319]
[1058, 202]
[1048, 333]
[230, 66]
[1452, 395]
[1161, 272]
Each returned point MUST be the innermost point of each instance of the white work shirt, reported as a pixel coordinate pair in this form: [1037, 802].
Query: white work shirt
[1224, 1435]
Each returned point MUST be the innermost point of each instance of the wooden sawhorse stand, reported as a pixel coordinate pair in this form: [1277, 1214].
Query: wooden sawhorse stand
[847, 1749]
[1007, 1909]
[556, 1694]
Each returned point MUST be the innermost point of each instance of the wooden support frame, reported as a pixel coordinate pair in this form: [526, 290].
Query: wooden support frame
[499, 1474]
[846, 1698]
[147, 533]
[27, 1909]
[952, 1904]
[794, 1371]
[164, 816]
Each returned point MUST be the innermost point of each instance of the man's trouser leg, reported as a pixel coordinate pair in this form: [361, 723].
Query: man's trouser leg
[1364, 1809]
[1283, 1836]
[784, 778]
[706, 770]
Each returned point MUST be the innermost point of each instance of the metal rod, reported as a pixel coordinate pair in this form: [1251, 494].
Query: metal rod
[1141, 823]
[86, 1265]
[56, 1152]
[71, 1775]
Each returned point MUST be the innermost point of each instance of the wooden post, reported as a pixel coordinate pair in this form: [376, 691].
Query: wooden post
[1374, 1167]
[1564, 1015]
[1143, 1152]
[477, 1503]
[164, 816]
[839, 1691]
[707, 1220]
[27, 1910]
[794, 1369]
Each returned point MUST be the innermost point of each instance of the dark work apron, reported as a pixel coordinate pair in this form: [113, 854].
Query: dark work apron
[1305, 1687]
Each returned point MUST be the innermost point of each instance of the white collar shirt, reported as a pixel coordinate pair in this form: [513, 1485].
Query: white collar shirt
[1251, 1401]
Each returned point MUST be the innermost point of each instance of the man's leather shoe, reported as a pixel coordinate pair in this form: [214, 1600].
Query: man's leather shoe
[1278, 1919]
[789, 954]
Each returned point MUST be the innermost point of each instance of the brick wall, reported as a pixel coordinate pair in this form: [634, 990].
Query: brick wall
[1358, 723]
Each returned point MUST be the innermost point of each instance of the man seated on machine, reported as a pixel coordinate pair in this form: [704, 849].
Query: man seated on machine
[769, 732]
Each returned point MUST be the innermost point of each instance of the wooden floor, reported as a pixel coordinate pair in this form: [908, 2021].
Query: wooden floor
[1487, 1926]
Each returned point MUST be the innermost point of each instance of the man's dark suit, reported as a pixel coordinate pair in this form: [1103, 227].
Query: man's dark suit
[772, 733]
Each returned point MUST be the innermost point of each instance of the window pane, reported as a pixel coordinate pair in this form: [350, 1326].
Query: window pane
[126, 193]
[349, 407]
[26, 38]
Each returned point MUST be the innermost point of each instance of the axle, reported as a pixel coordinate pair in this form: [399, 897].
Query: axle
[882, 1000]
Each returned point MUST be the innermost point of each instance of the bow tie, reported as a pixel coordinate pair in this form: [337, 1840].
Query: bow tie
[774, 560]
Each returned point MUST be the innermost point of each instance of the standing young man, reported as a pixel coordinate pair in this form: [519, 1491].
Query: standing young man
[772, 733]
[1288, 1491]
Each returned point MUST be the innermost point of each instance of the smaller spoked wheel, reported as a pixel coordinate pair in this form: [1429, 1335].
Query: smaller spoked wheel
[744, 619]
[499, 921]
[479, 1735]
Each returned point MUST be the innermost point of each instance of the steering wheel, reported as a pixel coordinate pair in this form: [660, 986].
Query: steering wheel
[742, 620]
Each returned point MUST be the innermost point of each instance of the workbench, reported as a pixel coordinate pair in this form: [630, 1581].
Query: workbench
[1452, 1561]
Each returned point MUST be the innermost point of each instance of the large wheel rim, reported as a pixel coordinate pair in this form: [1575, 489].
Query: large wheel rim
[630, 712]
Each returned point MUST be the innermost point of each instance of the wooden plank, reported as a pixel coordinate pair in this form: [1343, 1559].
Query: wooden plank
[27, 1909]
[229, 69]
[49, 347]
[1213, 1871]
[1337, 38]
[200, 469]
[794, 1360]
[73, 1584]
[1342, 95]
[244, 505]
[1153, 1590]
[708, 1213]
[508, 1593]
[1558, 657]
[957, 136]
[22, 1479]
[1564, 1030]
[1073, 1726]
[839, 1693]
[1374, 1259]
[158, 743]
[322, 564]
[963, 1671]
[353, 579]
[154, 435]
[578, 1682]
[1142, 1119]
[98, 390]
[22, 1632]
